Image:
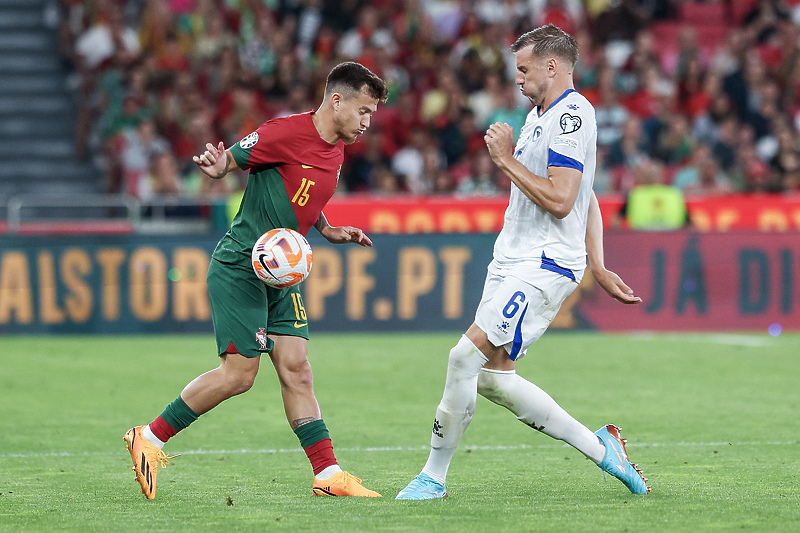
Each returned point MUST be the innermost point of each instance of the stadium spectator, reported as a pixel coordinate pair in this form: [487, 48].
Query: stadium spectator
[409, 162]
[460, 136]
[675, 142]
[510, 111]
[653, 205]
[383, 181]
[137, 146]
[240, 111]
[482, 178]
[212, 37]
[237, 59]
[484, 101]
[434, 171]
[610, 113]
[163, 178]
[360, 171]
[107, 39]
[701, 176]
[631, 146]
[755, 174]
[786, 161]
[619, 21]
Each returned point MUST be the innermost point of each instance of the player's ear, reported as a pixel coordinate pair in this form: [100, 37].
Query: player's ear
[552, 66]
[336, 101]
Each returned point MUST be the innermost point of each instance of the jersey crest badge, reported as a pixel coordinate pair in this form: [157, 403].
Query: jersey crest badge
[537, 132]
[570, 123]
[261, 337]
[249, 141]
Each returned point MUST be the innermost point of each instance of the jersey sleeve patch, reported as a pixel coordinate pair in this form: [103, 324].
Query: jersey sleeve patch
[570, 123]
[249, 141]
[554, 159]
[565, 141]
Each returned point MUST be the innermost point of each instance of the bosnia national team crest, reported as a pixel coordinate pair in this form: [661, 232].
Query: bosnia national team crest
[249, 141]
[261, 337]
[537, 132]
[570, 123]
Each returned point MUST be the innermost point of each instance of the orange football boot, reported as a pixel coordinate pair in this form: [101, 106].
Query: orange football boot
[342, 484]
[146, 459]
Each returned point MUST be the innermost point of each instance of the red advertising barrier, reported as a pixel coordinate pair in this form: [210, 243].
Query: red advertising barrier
[697, 282]
[447, 214]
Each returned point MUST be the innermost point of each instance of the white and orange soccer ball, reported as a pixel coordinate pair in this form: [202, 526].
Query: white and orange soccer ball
[282, 258]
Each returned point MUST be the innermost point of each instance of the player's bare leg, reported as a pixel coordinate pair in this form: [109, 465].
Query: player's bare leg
[234, 375]
[289, 356]
[290, 359]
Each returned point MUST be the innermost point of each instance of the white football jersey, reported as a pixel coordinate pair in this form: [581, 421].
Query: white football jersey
[565, 135]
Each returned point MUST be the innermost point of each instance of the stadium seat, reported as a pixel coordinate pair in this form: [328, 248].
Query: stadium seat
[702, 13]
[740, 8]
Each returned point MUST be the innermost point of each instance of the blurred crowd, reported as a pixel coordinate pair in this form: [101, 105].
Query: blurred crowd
[679, 102]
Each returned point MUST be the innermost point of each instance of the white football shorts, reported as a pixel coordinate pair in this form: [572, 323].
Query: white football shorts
[518, 304]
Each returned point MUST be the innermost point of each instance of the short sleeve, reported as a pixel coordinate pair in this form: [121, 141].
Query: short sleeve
[573, 133]
[270, 144]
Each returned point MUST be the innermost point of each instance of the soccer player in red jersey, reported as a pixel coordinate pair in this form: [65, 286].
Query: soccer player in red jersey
[294, 165]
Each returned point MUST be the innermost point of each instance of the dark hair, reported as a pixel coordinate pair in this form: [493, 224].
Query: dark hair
[351, 78]
[549, 40]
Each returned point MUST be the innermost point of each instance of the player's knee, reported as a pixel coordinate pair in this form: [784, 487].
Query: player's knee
[296, 375]
[465, 356]
[240, 382]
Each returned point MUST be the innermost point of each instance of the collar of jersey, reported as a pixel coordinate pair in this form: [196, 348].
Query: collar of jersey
[554, 103]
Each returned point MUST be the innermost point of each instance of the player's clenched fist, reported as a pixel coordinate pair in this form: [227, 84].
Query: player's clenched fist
[499, 140]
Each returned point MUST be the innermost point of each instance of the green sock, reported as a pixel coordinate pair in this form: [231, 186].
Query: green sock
[311, 433]
[178, 415]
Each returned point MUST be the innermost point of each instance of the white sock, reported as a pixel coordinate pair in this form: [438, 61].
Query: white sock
[456, 408]
[536, 408]
[148, 434]
[328, 472]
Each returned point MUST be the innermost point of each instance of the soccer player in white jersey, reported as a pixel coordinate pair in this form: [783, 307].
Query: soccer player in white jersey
[551, 227]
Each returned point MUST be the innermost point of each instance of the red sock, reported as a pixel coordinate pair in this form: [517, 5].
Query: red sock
[162, 430]
[320, 454]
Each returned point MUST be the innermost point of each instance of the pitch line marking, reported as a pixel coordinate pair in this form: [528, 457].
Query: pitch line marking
[245, 451]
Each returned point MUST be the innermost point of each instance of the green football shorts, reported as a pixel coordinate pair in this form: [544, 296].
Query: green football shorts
[244, 310]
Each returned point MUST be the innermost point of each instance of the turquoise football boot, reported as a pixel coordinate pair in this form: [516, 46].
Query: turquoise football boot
[423, 487]
[616, 461]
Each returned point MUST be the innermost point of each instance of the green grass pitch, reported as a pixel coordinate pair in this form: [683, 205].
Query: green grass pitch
[711, 419]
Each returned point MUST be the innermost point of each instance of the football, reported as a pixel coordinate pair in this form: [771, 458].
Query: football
[282, 258]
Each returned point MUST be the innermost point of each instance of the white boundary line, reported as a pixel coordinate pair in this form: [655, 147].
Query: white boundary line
[729, 339]
[245, 451]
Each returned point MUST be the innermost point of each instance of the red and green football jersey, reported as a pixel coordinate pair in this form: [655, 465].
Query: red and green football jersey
[293, 174]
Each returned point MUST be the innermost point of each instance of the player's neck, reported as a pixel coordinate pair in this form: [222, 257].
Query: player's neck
[555, 92]
[323, 121]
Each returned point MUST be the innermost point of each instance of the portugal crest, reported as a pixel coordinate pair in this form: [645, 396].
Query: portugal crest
[261, 337]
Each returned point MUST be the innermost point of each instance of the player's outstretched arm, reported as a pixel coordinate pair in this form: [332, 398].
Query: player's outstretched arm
[607, 279]
[341, 234]
[215, 162]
